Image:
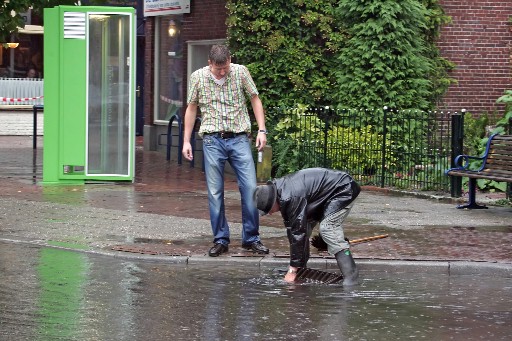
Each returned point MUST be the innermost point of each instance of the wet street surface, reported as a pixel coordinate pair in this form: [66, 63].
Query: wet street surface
[52, 294]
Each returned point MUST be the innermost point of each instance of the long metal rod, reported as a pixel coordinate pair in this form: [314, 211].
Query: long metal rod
[368, 239]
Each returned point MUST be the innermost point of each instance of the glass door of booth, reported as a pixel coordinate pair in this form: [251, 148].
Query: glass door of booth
[109, 104]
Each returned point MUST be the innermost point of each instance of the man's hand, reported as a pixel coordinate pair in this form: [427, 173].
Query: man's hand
[187, 151]
[261, 141]
[291, 274]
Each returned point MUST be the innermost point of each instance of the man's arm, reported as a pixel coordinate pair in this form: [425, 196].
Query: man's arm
[259, 114]
[190, 119]
[296, 223]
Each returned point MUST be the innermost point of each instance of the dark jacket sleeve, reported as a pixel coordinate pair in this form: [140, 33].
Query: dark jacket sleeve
[296, 222]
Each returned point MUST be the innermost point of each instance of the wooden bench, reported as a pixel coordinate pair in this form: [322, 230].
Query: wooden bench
[497, 166]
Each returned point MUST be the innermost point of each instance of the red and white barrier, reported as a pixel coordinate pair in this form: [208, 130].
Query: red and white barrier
[17, 100]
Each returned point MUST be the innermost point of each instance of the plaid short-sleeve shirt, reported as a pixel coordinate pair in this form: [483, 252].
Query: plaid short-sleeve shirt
[223, 107]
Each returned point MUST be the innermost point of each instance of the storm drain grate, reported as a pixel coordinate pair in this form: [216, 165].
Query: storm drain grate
[247, 254]
[164, 250]
[145, 251]
[320, 255]
[313, 275]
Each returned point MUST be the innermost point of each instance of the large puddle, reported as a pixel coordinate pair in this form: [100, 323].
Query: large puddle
[54, 294]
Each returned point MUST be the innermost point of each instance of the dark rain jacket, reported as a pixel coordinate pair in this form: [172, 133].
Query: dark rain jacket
[305, 198]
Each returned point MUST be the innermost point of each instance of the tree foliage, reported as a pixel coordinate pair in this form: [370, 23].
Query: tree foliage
[289, 46]
[358, 54]
[11, 20]
[384, 61]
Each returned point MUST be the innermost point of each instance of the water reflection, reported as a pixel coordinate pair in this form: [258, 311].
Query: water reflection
[53, 294]
[61, 277]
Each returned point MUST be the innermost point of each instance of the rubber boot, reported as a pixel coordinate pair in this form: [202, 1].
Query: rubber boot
[348, 268]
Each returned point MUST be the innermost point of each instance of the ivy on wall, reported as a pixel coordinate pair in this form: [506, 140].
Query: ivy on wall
[289, 47]
[359, 54]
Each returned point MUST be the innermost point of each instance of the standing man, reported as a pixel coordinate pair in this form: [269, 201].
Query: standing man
[304, 198]
[221, 90]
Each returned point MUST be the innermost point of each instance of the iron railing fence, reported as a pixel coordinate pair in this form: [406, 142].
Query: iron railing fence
[407, 149]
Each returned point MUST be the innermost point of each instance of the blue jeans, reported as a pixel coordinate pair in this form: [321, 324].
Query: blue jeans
[237, 151]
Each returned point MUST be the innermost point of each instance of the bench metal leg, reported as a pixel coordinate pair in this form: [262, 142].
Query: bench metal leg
[169, 138]
[169, 141]
[472, 205]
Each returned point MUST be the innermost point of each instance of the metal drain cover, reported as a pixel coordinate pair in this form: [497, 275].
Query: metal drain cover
[145, 251]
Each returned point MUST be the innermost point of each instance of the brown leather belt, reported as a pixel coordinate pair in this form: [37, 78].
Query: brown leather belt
[225, 134]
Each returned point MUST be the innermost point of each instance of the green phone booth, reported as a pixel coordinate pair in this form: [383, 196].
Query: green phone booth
[89, 88]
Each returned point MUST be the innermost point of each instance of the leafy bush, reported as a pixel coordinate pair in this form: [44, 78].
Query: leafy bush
[303, 139]
[474, 132]
[289, 47]
[504, 125]
[296, 141]
[343, 53]
[358, 150]
[359, 54]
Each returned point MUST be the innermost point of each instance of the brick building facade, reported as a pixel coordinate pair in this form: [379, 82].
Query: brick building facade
[205, 22]
[478, 41]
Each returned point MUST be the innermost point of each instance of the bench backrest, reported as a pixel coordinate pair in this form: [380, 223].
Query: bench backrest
[499, 156]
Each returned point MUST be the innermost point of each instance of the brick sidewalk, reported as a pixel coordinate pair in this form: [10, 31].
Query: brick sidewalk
[419, 228]
[20, 123]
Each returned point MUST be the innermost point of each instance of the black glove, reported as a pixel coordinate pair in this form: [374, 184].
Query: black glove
[320, 244]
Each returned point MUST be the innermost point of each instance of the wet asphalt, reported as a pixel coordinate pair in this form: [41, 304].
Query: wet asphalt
[163, 216]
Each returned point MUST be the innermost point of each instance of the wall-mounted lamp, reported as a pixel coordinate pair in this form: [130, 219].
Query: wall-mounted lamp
[173, 29]
[10, 45]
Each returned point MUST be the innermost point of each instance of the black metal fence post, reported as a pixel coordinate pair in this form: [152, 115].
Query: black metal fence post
[457, 149]
[383, 151]
[326, 133]
[35, 108]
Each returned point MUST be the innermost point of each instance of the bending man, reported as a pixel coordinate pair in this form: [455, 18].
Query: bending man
[305, 198]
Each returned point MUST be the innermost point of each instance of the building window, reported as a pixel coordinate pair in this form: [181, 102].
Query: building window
[197, 52]
[168, 67]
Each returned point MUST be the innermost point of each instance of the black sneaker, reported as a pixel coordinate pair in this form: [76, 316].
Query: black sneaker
[257, 247]
[217, 250]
